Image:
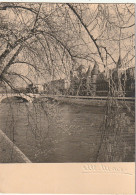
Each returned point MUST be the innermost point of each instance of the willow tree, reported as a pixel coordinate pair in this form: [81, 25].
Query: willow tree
[53, 39]
[111, 32]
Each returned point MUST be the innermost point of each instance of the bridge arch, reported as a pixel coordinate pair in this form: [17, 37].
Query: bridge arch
[12, 97]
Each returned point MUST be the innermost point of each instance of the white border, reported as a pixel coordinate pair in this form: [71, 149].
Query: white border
[73, 1]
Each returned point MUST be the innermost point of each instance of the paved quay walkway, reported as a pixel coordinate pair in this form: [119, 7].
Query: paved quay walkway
[9, 152]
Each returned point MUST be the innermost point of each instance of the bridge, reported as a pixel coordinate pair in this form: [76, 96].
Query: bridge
[29, 97]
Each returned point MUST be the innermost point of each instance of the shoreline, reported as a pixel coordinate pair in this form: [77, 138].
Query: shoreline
[86, 100]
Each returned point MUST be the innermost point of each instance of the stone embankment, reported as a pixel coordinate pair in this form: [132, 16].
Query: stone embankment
[9, 152]
[87, 100]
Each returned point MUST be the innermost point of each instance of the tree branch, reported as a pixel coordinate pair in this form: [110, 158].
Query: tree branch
[85, 27]
[11, 60]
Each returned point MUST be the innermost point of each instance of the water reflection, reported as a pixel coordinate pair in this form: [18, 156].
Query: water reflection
[52, 132]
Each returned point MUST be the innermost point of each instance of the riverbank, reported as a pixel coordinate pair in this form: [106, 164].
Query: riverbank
[9, 152]
[57, 131]
[87, 100]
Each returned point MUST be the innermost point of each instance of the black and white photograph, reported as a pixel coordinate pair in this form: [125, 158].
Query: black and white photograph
[67, 82]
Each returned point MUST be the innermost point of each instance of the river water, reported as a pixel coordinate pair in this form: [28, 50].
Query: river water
[52, 132]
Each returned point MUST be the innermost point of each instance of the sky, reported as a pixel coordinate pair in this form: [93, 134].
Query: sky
[23, 69]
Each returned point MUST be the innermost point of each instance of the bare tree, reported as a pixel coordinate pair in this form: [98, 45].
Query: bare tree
[40, 41]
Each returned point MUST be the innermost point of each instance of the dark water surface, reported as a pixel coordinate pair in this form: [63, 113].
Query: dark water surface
[48, 132]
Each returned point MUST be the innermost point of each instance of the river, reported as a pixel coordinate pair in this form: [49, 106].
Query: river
[52, 132]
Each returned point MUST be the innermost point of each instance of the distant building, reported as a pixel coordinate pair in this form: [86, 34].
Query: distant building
[90, 83]
[56, 86]
[122, 80]
[94, 76]
[94, 83]
[128, 81]
[102, 85]
[74, 83]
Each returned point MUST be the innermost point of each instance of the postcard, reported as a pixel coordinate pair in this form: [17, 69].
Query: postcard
[67, 97]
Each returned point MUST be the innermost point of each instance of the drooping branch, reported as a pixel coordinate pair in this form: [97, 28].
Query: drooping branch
[109, 54]
[11, 60]
[16, 43]
[24, 78]
[56, 39]
[85, 27]
[17, 6]
[5, 80]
